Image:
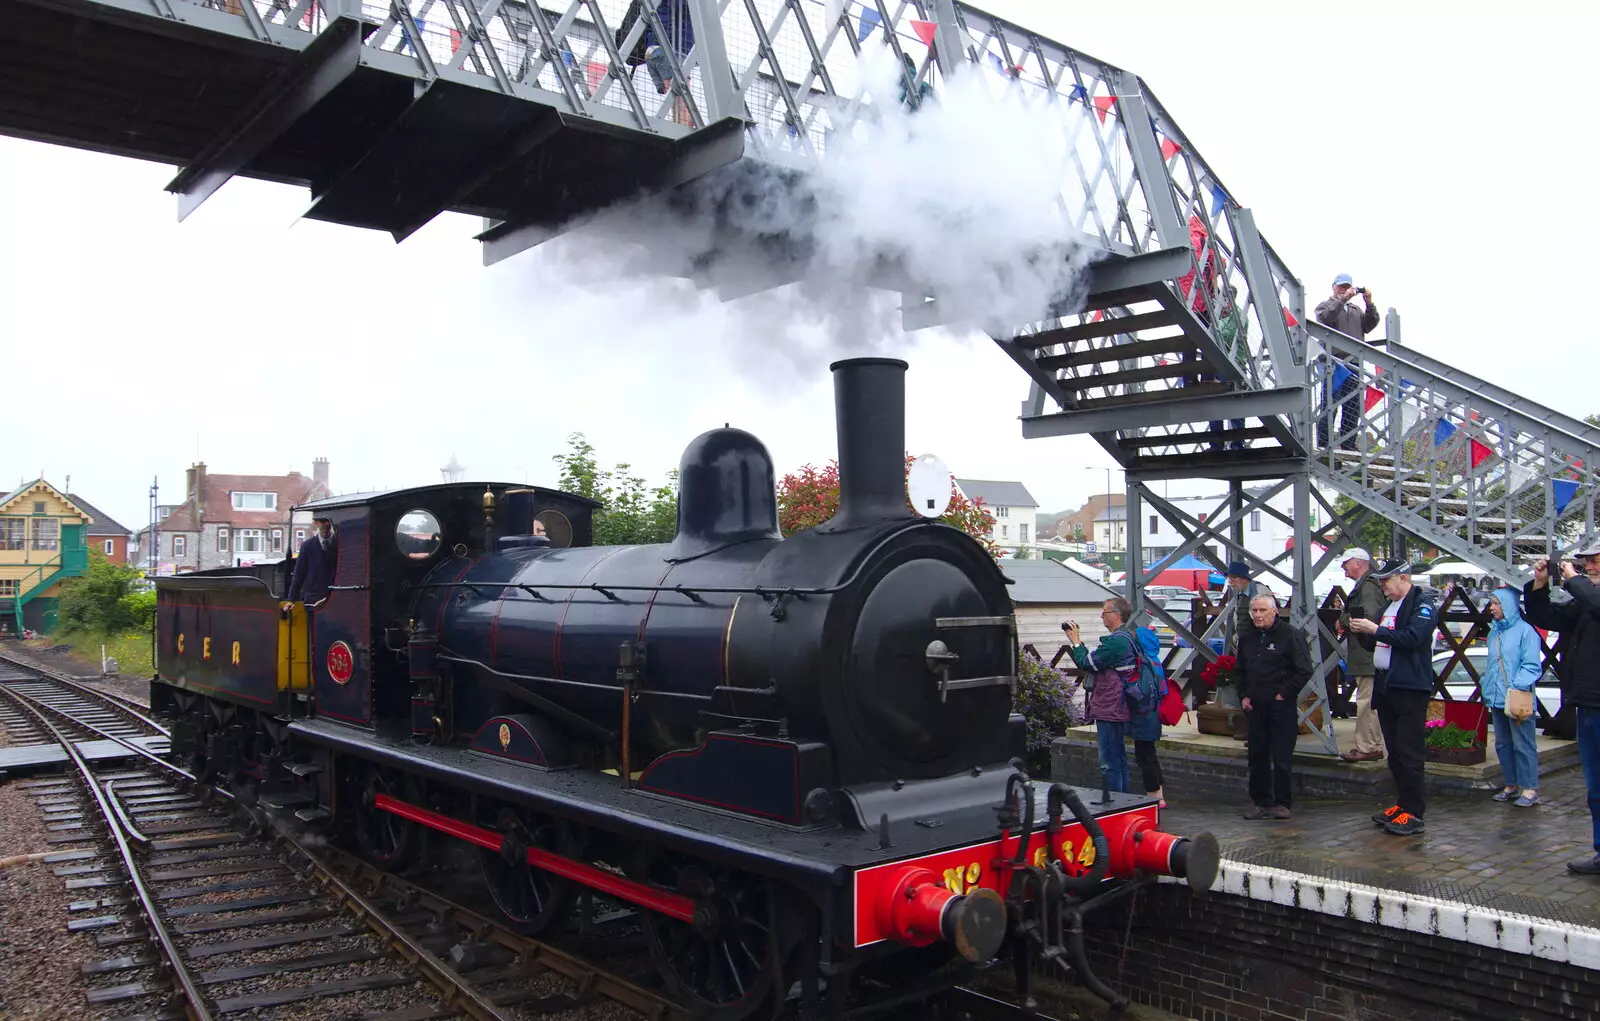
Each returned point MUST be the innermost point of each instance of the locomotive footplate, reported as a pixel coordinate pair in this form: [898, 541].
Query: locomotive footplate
[865, 874]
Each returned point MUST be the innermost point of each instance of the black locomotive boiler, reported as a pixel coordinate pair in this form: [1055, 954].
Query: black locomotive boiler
[796, 757]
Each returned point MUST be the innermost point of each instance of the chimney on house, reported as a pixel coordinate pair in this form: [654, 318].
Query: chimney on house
[197, 482]
[319, 470]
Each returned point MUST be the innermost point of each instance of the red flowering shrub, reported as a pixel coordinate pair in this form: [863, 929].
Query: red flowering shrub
[810, 496]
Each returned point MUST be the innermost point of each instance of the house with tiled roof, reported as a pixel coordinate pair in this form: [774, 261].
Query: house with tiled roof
[233, 520]
[1012, 507]
[104, 533]
[41, 545]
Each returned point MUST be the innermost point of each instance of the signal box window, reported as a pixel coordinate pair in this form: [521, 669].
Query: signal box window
[46, 533]
[13, 533]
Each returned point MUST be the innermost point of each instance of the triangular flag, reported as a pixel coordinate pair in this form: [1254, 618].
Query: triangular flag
[1218, 199]
[1517, 476]
[1374, 395]
[924, 30]
[999, 65]
[1442, 432]
[1098, 315]
[832, 13]
[596, 71]
[1480, 453]
[1564, 492]
[405, 43]
[455, 41]
[1077, 94]
[870, 19]
[1410, 415]
[1104, 104]
[569, 58]
[1289, 320]
[1169, 148]
[1341, 375]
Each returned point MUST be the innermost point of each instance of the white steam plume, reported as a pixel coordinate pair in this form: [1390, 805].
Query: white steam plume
[960, 198]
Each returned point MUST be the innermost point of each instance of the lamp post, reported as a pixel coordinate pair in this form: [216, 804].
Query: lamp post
[1109, 521]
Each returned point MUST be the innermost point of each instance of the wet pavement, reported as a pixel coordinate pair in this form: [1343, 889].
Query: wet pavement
[1475, 851]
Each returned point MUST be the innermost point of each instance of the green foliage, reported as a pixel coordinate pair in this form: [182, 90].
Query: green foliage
[632, 512]
[1440, 734]
[1593, 420]
[1045, 698]
[102, 601]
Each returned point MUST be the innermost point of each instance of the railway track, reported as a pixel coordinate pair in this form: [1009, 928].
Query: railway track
[205, 910]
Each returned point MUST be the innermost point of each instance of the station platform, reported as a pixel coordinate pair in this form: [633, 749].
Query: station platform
[1214, 767]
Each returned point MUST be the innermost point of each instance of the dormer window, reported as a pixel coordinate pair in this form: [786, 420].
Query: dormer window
[255, 501]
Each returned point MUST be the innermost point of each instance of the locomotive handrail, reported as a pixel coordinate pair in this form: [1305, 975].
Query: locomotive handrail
[450, 657]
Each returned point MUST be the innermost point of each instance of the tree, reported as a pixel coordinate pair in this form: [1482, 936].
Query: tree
[1593, 420]
[102, 600]
[810, 496]
[631, 512]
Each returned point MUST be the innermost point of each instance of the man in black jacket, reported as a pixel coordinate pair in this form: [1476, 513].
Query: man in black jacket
[1274, 664]
[1402, 686]
[1579, 624]
[314, 567]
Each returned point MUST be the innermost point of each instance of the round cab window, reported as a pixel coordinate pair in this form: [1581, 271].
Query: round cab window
[554, 526]
[418, 534]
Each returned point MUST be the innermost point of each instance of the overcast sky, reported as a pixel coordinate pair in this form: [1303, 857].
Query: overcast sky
[1430, 149]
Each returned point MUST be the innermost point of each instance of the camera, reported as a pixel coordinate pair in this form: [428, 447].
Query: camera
[1554, 565]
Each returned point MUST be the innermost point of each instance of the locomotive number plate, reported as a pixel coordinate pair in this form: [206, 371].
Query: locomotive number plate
[341, 663]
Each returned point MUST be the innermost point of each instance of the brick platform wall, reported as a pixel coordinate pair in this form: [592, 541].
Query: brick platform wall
[1227, 958]
[1196, 777]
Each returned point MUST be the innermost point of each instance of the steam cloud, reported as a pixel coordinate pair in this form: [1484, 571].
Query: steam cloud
[960, 200]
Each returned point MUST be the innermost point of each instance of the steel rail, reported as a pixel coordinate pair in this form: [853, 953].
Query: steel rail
[188, 987]
[138, 750]
[125, 705]
[456, 991]
[532, 951]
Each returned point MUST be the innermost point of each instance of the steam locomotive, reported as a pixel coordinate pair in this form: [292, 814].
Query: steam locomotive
[796, 758]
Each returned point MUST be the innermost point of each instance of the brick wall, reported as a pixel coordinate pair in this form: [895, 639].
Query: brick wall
[1226, 958]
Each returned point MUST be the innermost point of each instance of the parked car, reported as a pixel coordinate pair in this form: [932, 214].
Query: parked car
[1460, 685]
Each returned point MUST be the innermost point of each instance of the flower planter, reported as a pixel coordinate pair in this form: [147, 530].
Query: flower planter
[1457, 756]
[1221, 720]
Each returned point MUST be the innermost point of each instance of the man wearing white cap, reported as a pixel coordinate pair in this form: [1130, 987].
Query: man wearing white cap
[1339, 311]
[1365, 602]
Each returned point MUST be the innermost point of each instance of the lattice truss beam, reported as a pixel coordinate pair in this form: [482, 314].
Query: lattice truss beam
[1215, 536]
[1496, 482]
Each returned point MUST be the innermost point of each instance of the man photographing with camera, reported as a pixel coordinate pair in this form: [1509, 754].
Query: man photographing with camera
[1579, 624]
[1342, 313]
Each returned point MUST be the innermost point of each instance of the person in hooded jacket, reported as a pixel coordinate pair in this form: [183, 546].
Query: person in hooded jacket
[1514, 662]
[1145, 728]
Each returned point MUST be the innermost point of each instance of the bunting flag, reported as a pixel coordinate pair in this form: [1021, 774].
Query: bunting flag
[1289, 320]
[1410, 415]
[1103, 104]
[1480, 453]
[1341, 375]
[595, 72]
[1098, 315]
[870, 19]
[455, 41]
[405, 43]
[1517, 477]
[1564, 492]
[1169, 148]
[1219, 198]
[1374, 395]
[1577, 466]
[569, 58]
[1443, 431]
[1077, 94]
[924, 30]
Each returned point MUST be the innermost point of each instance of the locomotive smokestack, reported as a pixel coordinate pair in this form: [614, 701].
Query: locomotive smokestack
[869, 396]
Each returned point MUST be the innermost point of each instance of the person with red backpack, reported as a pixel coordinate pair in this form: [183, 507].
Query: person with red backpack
[1145, 698]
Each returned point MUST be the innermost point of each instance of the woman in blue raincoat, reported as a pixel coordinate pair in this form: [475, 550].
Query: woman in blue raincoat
[1514, 663]
[1145, 728]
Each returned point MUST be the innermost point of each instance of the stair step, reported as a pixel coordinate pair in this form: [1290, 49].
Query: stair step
[1134, 444]
[279, 801]
[313, 814]
[1176, 370]
[1152, 397]
[304, 768]
[1111, 326]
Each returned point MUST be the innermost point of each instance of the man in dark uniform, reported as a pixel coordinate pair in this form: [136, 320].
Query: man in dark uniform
[314, 567]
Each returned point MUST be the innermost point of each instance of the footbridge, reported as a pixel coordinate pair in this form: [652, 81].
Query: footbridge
[1187, 350]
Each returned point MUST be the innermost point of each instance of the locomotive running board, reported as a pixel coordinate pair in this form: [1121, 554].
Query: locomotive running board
[665, 902]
